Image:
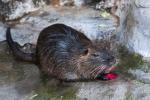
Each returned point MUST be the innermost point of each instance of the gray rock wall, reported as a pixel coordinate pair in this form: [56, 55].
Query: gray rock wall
[14, 9]
[83, 18]
[134, 29]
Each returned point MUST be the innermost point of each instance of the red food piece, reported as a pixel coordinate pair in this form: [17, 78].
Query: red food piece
[110, 76]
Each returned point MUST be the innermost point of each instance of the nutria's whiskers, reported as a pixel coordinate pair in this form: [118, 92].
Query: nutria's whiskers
[100, 71]
[96, 71]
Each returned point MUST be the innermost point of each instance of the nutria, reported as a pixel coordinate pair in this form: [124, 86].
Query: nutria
[66, 54]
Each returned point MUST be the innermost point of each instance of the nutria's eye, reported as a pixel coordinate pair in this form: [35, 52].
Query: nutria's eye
[95, 55]
[85, 52]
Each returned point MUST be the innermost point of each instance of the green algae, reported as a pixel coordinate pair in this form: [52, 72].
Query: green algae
[129, 95]
[53, 89]
[128, 61]
[55, 93]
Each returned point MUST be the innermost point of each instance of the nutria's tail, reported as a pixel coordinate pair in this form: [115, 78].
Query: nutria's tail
[14, 46]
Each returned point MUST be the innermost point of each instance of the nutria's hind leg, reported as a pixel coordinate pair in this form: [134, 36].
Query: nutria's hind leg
[29, 48]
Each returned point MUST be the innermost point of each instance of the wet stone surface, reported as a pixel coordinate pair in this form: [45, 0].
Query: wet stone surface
[23, 81]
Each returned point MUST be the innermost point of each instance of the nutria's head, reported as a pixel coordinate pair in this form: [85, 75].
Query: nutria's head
[93, 61]
[87, 59]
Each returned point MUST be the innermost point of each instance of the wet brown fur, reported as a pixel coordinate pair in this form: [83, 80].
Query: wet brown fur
[66, 54]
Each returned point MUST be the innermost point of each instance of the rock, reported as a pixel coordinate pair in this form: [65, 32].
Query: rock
[81, 2]
[86, 20]
[116, 90]
[21, 8]
[104, 4]
[134, 28]
[143, 76]
[66, 2]
[77, 3]
[140, 91]
[105, 91]
[14, 9]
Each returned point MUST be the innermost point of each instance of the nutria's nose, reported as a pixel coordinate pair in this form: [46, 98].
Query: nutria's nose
[108, 58]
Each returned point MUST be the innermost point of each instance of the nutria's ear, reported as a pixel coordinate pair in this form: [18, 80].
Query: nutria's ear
[84, 52]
